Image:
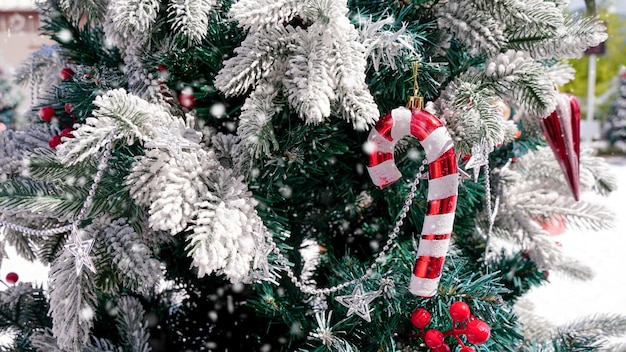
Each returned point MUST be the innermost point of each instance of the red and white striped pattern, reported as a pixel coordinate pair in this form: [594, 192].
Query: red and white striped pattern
[443, 182]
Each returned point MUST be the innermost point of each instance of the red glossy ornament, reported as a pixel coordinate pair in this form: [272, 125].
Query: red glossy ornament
[477, 332]
[420, 318]
[67, 133]
[467, 349]
[562, 131]
[54, 141]
[12, 278]
[459, 311]
[67, 73]
[433, 338]
[47, 113]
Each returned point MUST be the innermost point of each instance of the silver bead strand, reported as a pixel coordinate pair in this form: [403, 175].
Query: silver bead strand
[83, 211]
[102, 165]
[34, 232]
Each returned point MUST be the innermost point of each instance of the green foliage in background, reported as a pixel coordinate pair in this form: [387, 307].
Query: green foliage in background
[607, 66]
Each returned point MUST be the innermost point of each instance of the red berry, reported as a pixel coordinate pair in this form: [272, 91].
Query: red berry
[12, 278]
[467, 349]
[466, 157]
[54, 141]
[47, 113]
[420, 318]
[162, 68]
[477, 332]
[67, 133]
[187, 100]
[514, 159]
[67, 73]
[433, 338]
[459, 311]
[442, 348]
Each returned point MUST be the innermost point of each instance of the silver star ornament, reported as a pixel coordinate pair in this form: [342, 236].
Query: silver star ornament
[479, 158]
[80, 250]
[358, 302]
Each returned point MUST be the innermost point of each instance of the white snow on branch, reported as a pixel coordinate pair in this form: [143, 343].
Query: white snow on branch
[262, 14]
[226, 229]
[473, 27]
[195, 193]
[517, 75]
[133, 260]
[385, 46]
[72, 302]
[320, 66]
[168, 186]
[190, 18]
[132, 324]
[132, 16]
[119, 116]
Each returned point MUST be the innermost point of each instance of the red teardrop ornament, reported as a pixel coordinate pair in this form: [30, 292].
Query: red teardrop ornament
[562, 131]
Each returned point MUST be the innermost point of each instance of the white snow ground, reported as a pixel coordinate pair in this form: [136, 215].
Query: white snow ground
[561, 300]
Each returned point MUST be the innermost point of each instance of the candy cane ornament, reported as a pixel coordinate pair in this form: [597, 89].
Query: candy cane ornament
[443, 182]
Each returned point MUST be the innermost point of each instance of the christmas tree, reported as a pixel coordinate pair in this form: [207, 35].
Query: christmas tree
[615, 124]
[233, 176]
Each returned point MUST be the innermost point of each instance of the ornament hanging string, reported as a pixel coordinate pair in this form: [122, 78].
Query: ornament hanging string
[491, 212]
[415, 101]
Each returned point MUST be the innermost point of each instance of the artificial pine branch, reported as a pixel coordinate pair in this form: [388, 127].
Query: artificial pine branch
[72, 302]
[129, 16]
[190, 18]
[132, 324]
[19, 195]
[138, 269]
[83, 44]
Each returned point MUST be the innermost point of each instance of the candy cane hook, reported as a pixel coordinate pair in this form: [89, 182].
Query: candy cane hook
[443, 182]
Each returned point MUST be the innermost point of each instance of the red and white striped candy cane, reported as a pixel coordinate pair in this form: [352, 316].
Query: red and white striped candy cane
[443, 182]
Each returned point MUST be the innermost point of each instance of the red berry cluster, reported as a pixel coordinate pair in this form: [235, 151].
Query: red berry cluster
[476, 331]
[48, 114]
